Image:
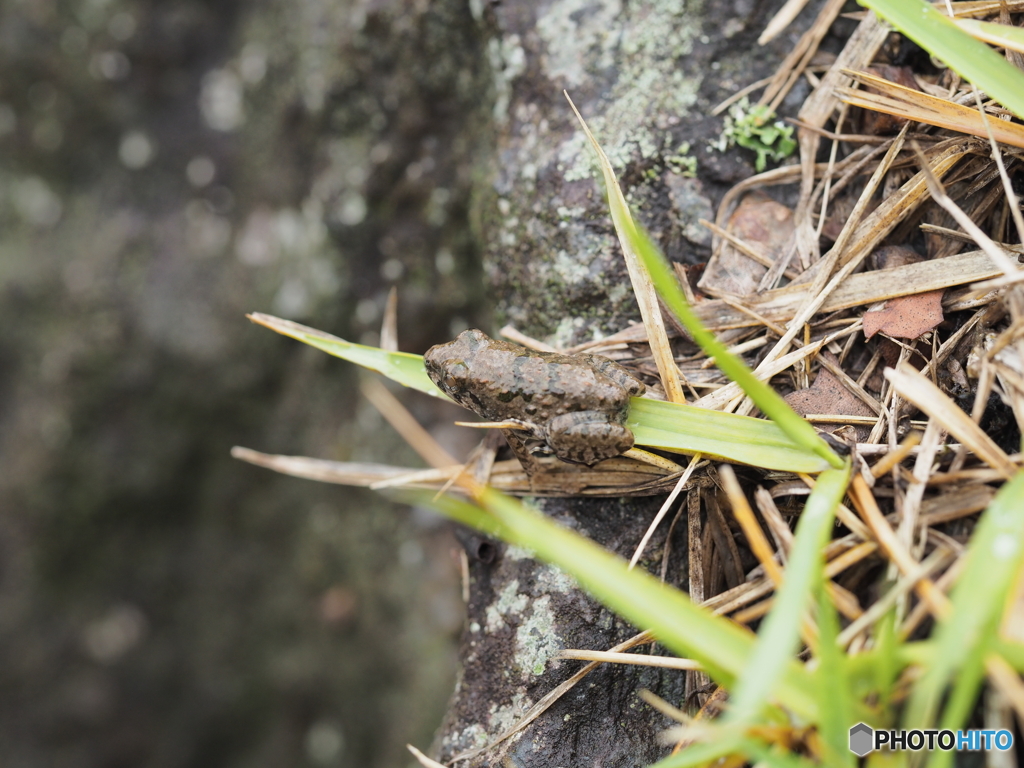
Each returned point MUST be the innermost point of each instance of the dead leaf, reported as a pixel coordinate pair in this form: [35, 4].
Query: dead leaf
[906, 317]
[828, 396]
[765, 226]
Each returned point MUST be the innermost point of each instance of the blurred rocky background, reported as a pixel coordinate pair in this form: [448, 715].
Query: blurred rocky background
[166, 166]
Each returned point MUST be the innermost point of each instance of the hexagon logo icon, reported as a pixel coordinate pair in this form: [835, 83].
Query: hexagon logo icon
[861, 739]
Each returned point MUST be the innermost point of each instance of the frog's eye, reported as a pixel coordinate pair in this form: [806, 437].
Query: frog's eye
[455, 376]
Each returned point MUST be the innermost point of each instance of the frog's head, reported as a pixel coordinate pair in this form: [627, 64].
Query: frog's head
[448, 364]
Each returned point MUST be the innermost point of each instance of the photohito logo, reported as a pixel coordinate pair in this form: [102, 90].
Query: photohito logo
[861, 737]
[865, 739]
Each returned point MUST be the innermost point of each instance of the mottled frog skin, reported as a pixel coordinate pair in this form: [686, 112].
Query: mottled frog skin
[577, 404]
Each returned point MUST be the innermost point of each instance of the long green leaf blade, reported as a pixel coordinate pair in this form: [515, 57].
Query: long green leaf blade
[939, 35]
[688, 630]
[833, 679]
[726, 741]
[960, 704]
[636, 242]
[1003, 35]
[726, 436]
[402, 367]
[681, 428]
[723, 742]
[888, 665]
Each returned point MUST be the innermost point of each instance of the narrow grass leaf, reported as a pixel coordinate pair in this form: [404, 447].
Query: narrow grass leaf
[993, 560]
[692, 632]
[671, 426]
[960, 703]
[972, 59]
[839, 708]
[923, 653]
[461, 511]
[772, 756]
[642, 256]
[888, 665]
[402, 367]
[722, 743]
[727, 436]
[780, 632]
[870, 678]
[1002, 35]
[1011, 652]
[645, 294]
[725, 741]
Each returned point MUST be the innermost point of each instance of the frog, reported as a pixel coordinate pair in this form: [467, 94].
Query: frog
[575, 404]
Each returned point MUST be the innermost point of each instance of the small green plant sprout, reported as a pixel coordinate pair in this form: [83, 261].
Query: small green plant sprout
[755, 127]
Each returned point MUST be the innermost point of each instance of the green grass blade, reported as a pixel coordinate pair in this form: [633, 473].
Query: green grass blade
[402, 367]
[960, 704]
[888, 666]
[839, 708]
[705, 753]
[993, 561]
[1002, 35]
[922, 653]
[682, 428]
[779, 636]
[872, 673]
[461, 511]
[688, 630]
[972, 59]
[771, 756]
[767, 399]
[1011, 651]
[726, 436]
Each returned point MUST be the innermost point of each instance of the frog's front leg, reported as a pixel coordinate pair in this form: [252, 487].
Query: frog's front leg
[587, 437]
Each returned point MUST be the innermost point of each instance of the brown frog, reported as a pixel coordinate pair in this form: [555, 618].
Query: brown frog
[577, 404]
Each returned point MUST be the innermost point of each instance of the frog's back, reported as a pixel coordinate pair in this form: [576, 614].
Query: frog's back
[501, 381]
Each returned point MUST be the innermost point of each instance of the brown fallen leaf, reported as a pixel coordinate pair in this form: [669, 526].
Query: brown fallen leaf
[906, 317]
[766, 227]
[828, 396]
